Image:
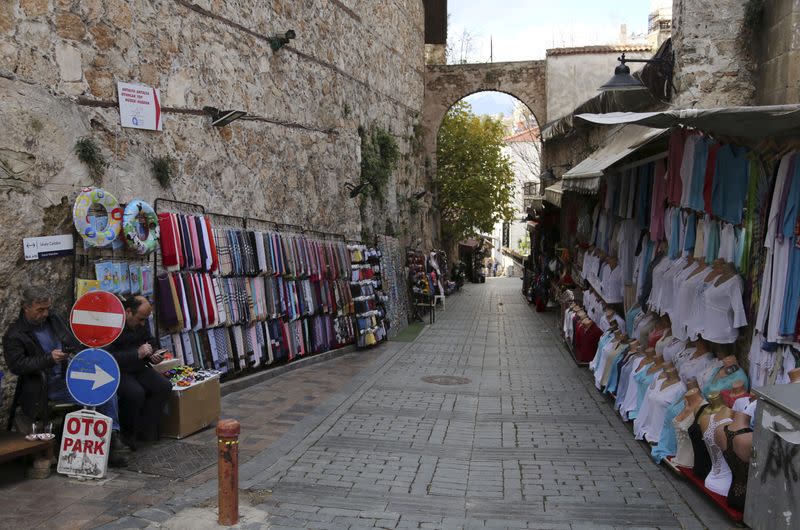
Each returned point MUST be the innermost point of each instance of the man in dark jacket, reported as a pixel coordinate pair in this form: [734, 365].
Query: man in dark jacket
[142, 390]
[37, 347]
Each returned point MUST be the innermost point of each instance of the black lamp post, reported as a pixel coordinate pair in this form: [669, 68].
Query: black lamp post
[623, 80]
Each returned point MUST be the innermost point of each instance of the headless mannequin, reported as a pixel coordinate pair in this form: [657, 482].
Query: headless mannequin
[703, 267]
[701, 348]
[743, 443]
[716, 408]
[717, 268]
[658, 364]
[729, 365]
[693, 399]
[670, 376]
[737, 390]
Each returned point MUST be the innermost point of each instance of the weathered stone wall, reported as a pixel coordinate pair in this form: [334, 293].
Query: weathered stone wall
[714, 65]
[353, 63]
[779, 53]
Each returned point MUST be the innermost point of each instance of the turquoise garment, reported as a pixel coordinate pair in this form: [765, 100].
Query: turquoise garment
[712, 241]
[629, 318]
[726, 382]
[791, 298]
[729, 189]
[696, 201]
[643, 379]
[668, 444]
[741, 244]
[613, 379]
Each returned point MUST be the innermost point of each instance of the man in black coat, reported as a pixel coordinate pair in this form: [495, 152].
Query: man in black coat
[37, 347]
[142, 390]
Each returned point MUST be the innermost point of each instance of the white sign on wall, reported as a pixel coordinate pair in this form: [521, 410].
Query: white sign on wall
[85, 444]
[48, 246]
[139, 106]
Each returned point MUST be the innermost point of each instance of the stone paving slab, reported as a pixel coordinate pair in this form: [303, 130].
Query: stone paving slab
[527, 443]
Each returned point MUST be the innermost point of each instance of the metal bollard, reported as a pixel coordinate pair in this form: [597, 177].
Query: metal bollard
[228, 467]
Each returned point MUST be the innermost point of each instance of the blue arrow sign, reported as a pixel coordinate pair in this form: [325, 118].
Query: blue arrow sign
[92, 377]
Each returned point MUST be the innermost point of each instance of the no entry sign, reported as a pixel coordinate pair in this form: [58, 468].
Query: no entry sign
[97, 319]
[85, 444]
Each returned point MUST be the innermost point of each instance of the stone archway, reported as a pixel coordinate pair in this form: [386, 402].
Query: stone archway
[447, 84]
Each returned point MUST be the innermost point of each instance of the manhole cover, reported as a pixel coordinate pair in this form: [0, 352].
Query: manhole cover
[173, 459]
[446, 380]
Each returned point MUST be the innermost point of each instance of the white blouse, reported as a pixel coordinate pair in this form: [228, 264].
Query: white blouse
[657, 399]
[723, 311]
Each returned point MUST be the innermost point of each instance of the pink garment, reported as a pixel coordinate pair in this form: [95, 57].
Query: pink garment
[659, 198]
[195, 242]
[674, 189]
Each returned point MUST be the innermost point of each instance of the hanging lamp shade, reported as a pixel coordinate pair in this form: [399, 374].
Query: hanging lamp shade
[622, 80]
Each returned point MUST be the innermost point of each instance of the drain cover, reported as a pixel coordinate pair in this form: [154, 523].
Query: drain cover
[446, 380]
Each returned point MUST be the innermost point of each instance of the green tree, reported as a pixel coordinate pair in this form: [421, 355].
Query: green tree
[474, 178]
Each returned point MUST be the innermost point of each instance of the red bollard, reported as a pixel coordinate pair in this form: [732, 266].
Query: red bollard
[228, 466]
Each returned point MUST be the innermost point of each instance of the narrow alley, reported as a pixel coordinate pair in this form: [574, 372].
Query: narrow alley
[482, 421]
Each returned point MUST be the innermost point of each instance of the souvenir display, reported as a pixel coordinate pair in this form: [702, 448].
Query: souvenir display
[235, 300]
[88, 228]
[366, 288]
[140, 226]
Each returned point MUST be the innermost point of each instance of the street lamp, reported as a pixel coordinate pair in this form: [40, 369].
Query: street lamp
[622, 80]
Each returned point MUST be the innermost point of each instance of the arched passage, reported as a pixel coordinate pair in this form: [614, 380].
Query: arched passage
[447, 84]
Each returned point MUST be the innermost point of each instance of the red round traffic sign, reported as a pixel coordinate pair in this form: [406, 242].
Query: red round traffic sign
[97, 319]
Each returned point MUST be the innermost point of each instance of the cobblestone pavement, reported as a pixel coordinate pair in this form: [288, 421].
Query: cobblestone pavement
[266, 412]
[482, 422]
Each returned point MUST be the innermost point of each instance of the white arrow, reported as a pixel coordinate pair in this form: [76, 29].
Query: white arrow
[100, 377]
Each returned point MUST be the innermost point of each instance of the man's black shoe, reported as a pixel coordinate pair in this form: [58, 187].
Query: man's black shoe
[130, 441]
[117, 460]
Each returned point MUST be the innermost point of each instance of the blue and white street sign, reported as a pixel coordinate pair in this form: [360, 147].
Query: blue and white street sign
[92, 377]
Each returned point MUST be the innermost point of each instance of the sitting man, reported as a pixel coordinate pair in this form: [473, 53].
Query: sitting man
[35, 348]
[142, 390]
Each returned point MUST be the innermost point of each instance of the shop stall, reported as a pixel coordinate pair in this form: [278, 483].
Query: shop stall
[687, 308]
[231, 295]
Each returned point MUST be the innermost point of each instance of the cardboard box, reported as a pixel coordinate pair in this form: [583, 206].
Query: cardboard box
[191, 409]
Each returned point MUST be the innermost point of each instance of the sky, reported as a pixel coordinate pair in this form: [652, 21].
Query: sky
[523, 29]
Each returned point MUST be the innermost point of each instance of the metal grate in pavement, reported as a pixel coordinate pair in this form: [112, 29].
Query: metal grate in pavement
[172, 459]
[446, 380]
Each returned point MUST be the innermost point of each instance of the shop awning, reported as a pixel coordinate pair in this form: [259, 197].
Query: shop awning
[553, 193]
[585, 177]
[471, 243]
[773, 121]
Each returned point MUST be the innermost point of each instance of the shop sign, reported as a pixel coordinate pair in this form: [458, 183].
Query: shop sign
[48, 246]
[85, 444]
[139, 106]
[97, 318]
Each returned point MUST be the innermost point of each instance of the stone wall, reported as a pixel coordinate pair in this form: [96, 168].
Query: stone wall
[714, 62]
[778, 48]
[352, 64]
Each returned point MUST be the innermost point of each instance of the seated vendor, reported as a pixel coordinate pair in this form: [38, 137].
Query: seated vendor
[37, 347]
[142, 390]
